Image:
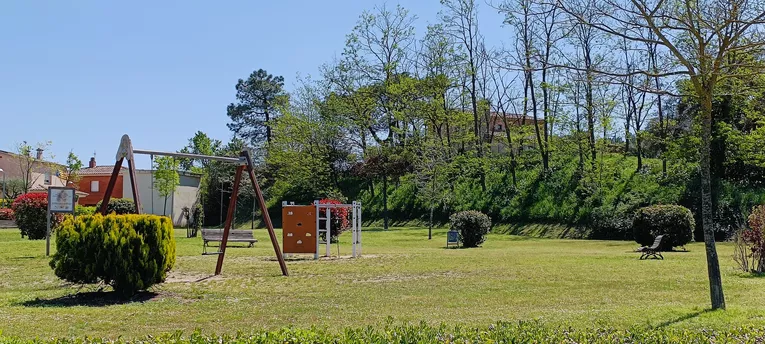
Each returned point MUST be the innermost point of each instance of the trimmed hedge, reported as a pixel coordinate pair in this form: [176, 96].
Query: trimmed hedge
[128, 252]
[119, 206]
[30, 211]
[472, 226]
[673, 221]
[80, 210]
[502, 332]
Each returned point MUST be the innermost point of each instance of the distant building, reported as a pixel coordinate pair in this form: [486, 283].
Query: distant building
[95, 180]
[42, 174]
[498, 136]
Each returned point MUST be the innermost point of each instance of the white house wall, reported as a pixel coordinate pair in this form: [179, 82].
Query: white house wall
[185, 195]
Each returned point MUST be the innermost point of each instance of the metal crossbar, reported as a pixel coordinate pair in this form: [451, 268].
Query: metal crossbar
[192, 156]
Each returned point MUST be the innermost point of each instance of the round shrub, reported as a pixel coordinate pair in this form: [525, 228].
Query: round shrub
[29, 212]
[673, 221]
[6, 214]
[128, 252]
[119, 206]
[472, 226]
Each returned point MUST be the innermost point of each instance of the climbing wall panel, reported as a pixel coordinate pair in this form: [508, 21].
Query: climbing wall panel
[299, 229]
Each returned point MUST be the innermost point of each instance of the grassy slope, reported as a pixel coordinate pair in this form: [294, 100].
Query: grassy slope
[404, 276]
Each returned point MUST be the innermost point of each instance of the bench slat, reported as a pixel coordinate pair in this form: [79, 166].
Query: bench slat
[234, 235]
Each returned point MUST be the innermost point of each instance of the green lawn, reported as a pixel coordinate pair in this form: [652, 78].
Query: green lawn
[402, 275]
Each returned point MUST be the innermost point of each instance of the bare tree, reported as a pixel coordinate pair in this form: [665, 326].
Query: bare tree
[32, 167]
[708, 41]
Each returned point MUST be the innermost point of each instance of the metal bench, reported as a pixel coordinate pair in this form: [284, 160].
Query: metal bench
[235, 235]
[653, 251]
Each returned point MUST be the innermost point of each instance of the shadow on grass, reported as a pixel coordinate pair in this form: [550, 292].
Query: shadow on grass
[90, 299]
[682, 318]
[22, 257]
[753, 275]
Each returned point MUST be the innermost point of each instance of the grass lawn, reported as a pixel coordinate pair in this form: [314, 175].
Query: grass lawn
[402, 275]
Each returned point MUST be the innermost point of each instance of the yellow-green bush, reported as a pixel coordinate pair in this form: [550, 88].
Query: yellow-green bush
[128, 252]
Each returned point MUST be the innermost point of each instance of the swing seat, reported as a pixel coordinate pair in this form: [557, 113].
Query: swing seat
[235, 235]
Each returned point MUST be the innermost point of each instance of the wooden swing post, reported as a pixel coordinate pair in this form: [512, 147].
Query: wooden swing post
[244, 162]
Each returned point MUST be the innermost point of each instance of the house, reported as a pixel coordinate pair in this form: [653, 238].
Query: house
[42, 174]
[95, 180]
[498, 136]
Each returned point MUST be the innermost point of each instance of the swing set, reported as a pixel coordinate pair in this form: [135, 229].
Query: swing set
[243, 163]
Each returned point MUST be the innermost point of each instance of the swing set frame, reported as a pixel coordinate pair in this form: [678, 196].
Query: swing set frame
[244, 164]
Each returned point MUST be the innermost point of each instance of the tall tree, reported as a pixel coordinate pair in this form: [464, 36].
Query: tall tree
[378, 49]
[460, 19]
[259, 99]
[166, 177]
[709, 41]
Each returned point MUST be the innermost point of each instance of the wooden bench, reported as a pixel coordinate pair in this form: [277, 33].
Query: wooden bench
[653, 251]
[235, 235]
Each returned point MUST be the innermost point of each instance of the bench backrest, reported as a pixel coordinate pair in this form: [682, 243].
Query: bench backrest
[217, 234]
[657, 242]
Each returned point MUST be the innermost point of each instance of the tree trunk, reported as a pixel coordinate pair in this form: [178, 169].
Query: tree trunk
[164, 209]
[385, 201]
[545, 110]
[639, 147]
[662, 135]
[430, 223]
[713, 264]
[268, 127]
[591, 122]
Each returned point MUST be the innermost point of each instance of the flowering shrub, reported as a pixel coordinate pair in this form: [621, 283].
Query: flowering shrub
[338, 218]
[30, 211]
[750, 243]
[6, 214]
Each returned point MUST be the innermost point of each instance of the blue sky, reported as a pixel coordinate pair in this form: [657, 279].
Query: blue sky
[82, 73]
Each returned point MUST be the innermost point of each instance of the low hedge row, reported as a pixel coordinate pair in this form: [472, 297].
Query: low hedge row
[128, 252]
[119, 206]
[522, 332]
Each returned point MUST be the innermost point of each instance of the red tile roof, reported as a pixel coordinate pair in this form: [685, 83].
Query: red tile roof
[99, 170]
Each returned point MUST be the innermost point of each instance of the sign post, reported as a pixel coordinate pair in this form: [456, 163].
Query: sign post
[60, 200]
[452, 238]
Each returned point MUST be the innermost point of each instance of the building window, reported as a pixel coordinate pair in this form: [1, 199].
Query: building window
[94, 186]
[498, 127]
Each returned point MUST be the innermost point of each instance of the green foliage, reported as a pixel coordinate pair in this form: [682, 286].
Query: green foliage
[80, 210]
[166, 177]
[70, 171]
[674, 221]
[501, 332]
[472, 226]
[13, 189]
[30, 211]
[128, 252]
[260, 97]
[119, 206]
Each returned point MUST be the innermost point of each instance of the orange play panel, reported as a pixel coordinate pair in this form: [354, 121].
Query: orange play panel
[299, 229]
